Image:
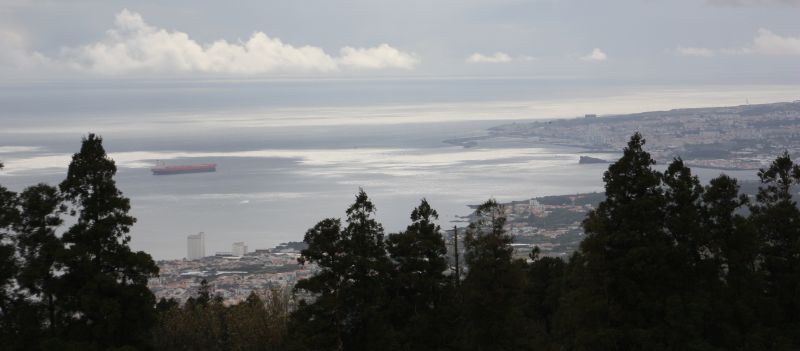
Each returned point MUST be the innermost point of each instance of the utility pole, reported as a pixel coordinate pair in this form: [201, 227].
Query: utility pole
[455, 252]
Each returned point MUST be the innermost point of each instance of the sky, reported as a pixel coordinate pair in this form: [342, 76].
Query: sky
[295, 96]
[637, 41]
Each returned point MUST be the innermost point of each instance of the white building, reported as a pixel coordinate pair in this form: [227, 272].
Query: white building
[196, 246]
[239, 249]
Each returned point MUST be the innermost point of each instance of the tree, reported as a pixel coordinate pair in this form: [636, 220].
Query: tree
[492, 289]
[694, 270]
[622, 283]
[200, 324]
[738, 307]
[777, 220]
[104, 285]
[345, 310]
[254, 324]
[542, 294]
[203, 294]
[9, 215]
[40, 250]
[258, 324]
[682, 196]
[419, 286]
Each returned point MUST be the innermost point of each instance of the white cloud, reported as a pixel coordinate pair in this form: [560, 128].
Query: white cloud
[382, 56]
[14, 52]
[765, 43]
[595, 55]
[768, 43]
[497, 57]
[135, 46]
[691, 51]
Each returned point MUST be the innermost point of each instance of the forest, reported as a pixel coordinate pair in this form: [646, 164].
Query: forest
[667, 263]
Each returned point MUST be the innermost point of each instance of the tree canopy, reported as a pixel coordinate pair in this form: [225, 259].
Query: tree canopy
[666, 263]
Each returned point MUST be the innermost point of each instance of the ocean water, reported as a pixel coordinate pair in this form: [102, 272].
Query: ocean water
[290, 153]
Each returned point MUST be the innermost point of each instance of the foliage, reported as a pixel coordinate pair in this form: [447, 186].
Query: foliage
[667, 263]
[349, 295]
[83, 288]
[492, 289]
[419, 288]
[255, 324]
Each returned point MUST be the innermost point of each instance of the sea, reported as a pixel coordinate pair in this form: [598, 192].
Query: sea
[291, 152]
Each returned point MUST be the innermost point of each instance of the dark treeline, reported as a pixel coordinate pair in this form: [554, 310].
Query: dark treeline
[667, 263]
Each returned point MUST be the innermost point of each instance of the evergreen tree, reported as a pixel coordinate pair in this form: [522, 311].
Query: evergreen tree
[203, 294]
[695, 274]
[104, 285]
[492, 290]
[346, 311]
[9, 215]
[621, 281]
[777, 220]
[163, 305]
[40, 249]
[682, 195]
[542, 294]
[737, 304]
[419, 286]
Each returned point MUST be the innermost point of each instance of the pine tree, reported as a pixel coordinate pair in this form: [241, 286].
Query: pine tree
[418, 286]
[40, 249]
[104, 285]
[9, 215]
[738, 306]
[203, 294]
[346, 311]
[682, 194]
[695, 276]
[777, 219]
[621, 280]
[542, 295]
[492, 290]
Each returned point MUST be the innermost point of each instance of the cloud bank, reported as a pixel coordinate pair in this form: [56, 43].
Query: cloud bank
[14, 52]
[765, 43]
[768, 43]
[135, 46]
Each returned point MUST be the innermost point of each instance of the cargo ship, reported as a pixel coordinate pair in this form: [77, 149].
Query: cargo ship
[162, 169]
